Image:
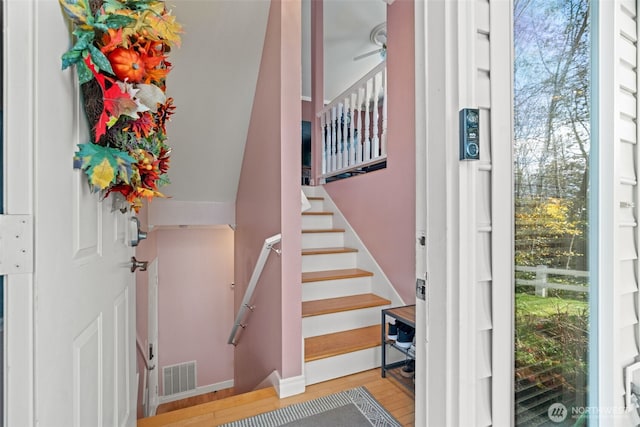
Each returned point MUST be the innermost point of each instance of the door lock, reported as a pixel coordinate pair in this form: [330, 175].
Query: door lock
[136, 233]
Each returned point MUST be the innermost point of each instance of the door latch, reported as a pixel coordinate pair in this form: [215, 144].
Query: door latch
[421, 289]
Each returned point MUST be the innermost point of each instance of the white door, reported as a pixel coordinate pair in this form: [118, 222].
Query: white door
[70, 323]
[152, 326]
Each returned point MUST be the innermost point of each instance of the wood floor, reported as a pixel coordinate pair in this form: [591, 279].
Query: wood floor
[395, 398]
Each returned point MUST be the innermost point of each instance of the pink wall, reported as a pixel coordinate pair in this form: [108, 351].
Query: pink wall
[381, 205]
[268, 202]
[195, 301]
[307, 111]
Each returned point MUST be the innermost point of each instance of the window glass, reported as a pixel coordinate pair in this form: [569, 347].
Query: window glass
[552, 89]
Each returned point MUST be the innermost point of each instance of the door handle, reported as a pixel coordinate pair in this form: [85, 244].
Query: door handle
[135, 264]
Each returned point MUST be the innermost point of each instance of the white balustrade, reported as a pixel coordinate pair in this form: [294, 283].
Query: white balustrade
[354, 126]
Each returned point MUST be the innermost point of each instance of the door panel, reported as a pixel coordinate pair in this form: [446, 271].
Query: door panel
[80, 295]
[87, 375]
[87, 220]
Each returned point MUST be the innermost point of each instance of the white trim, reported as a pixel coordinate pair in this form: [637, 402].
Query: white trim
[502, 212]
[466, 243]
[285, 387]
[270, 381]
[607, 193]
[176, 213]
[19, 89]
[422, 307]
[197, 391]
[290, 386]
[438, 352]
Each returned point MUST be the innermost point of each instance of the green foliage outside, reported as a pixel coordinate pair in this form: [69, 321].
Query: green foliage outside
[552, 141]
[551, 333]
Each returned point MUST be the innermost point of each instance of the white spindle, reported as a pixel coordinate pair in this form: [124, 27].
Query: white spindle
[333, 139]
[352, 140]
[384, 113]
[323, 127]
[359, 127]
[366, 156]
[339, 137]
[345, 134]
[375, 149]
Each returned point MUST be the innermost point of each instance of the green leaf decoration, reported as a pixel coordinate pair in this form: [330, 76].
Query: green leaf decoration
[84, 40]
[111, 6]
[84, 73]
[118, 21]
[101, 61]
[71, 57]
[104, 165]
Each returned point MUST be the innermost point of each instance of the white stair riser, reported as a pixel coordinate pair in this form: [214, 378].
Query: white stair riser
[345, 364]
[329, 261]
[310, 190]
[316, 205]
[337, 322]
[322, 240]
[317, 222]
[335, 288]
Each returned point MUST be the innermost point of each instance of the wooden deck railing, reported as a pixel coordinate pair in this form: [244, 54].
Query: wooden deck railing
[541, 282]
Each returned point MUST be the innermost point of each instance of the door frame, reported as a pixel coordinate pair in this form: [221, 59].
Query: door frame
[445, 36]
[19, 343]
[153, 399]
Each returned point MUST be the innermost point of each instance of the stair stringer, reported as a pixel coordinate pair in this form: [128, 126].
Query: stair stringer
[380, 283]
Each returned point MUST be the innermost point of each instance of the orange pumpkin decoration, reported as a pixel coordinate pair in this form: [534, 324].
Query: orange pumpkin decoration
[127, 64]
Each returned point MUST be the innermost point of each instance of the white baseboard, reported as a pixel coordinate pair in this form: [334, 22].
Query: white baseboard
[291, 386]
[198, 390]
[286, 387]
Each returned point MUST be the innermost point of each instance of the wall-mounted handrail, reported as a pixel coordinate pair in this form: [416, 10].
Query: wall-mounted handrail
[253, 281]
[142, 353]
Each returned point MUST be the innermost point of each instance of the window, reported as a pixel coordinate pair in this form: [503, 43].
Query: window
[552, 90]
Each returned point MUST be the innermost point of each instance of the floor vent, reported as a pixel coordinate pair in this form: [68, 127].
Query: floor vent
[179, 378]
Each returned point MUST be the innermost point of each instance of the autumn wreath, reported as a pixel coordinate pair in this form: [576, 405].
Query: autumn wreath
[120, 54]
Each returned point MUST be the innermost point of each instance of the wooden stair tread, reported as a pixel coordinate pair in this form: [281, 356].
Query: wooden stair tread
[325, 251]
[251, 398]
[347, 273]
[323, 230]
[336, 305]
[317, 213]
[323, 346]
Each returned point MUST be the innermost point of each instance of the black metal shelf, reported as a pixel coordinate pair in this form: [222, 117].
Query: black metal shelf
[407, 315]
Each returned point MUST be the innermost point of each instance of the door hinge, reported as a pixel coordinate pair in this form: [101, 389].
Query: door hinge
[16, 244]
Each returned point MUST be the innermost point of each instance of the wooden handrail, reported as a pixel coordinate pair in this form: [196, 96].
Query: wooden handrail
[142, 353]
[338, 99]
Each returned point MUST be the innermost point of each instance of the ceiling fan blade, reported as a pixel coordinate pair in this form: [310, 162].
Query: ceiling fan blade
[364, 55]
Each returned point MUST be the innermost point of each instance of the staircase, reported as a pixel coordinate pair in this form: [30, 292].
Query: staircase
[340, 308]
